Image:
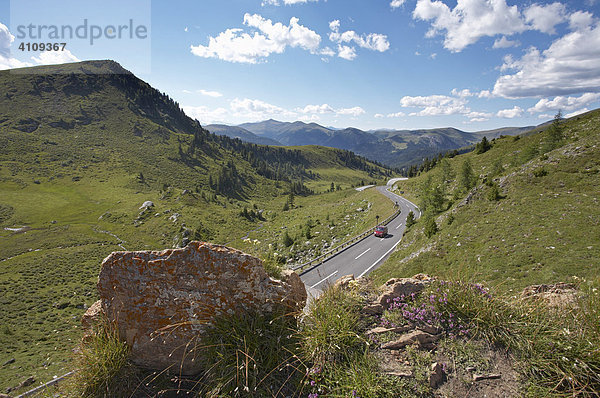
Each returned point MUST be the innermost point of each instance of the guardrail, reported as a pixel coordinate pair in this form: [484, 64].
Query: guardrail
[336, 250]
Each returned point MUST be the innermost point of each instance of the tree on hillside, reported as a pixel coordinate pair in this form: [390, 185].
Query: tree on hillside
[554, 134]
[467, 176]
[432, 196]
[483, 146]
[448, 173]
[287, 240]
[431, 227]
[410, 219]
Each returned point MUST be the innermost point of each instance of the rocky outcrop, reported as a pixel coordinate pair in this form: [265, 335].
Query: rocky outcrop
[162, 301]
[557, 295]
[398, 287]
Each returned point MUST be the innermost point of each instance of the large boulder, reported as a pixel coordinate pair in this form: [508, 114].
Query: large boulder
[162, 301]
[398, 287]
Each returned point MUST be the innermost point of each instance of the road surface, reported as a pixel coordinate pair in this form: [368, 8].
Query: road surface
[364, 256]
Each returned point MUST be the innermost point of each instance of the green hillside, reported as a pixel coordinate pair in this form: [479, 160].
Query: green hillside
[530, 217]
[83, 146]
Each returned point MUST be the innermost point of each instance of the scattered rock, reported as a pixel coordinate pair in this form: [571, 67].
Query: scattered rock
[379, 330]
[12, 360]
[436, 377]
[344, 281]
[92, 316]
[27, 382]
[430, 329]
[470, 368]
[490, 376]
[162, 302]
[424, 340]
[558, 295]
[408, 374]
[373, 309]
[398, 287]
[146, 205]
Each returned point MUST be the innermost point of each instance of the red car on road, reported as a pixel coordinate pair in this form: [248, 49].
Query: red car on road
[381, 231]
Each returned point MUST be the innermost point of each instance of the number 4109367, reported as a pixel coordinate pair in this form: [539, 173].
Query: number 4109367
[42, 46]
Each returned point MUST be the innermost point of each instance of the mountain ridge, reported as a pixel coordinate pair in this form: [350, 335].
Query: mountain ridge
[392, 147]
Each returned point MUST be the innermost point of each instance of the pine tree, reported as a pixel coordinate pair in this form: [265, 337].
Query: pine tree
[431, 227]
[483, 146]
[410, 219]
[555, 134]
[287, 240]
[467, 176]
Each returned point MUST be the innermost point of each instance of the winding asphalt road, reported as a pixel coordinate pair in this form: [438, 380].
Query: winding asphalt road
[364, 256]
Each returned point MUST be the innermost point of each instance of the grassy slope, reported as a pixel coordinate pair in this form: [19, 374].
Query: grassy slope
[74, 182]
[544, 229]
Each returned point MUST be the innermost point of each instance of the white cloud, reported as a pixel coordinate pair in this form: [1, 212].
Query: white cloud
[581, 20]
[577, 112]
[346, 52]
[206, 115]
[370, 41]
[570, 65]
[255, 109]
[379, 115]
[325, 108]
[485, 94]
[396, 3]
[286, 2]
[469, 20]
[435, 105]
[564, 103]
[235, 45]
[479, 116]
[503, 42]
[397, 114]
[214, 94]
[433, 56]
[6, 39]
[55, 57]
[462, 93]
[327, 52]
[354, 112]
[185, 29]
[544, 17]
[510, 113]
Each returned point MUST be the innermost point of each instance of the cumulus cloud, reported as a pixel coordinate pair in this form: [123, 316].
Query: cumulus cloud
[577, 112]
[354, 112]
[462, 93]
[206, 115]
[346, 52]
[235, 45]
[581, 20]
[434, 105]
[396, 3]
[479, 116]
[564, 103]
[369, 41]
[570, 65]
[208, 93]
[55, 57]
[503, 42]
[397, 114]
[257, 109]
[544, 17]
[510, 113]
[44, 57]
[324, 108]
[469, 20]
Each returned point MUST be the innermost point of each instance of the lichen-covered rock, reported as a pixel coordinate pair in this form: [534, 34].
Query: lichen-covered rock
[398, 287]
[162, 301]
[558, 295]
[92, 316]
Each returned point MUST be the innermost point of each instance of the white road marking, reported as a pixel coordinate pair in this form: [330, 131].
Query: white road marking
[381, 240]
[356, 258]
[380, 258]
[323, 280]
[399, 225]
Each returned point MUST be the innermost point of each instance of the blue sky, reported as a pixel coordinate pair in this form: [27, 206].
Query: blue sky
[469, 64]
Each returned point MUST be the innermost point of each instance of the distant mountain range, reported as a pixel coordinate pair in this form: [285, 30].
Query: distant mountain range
[395, 148]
